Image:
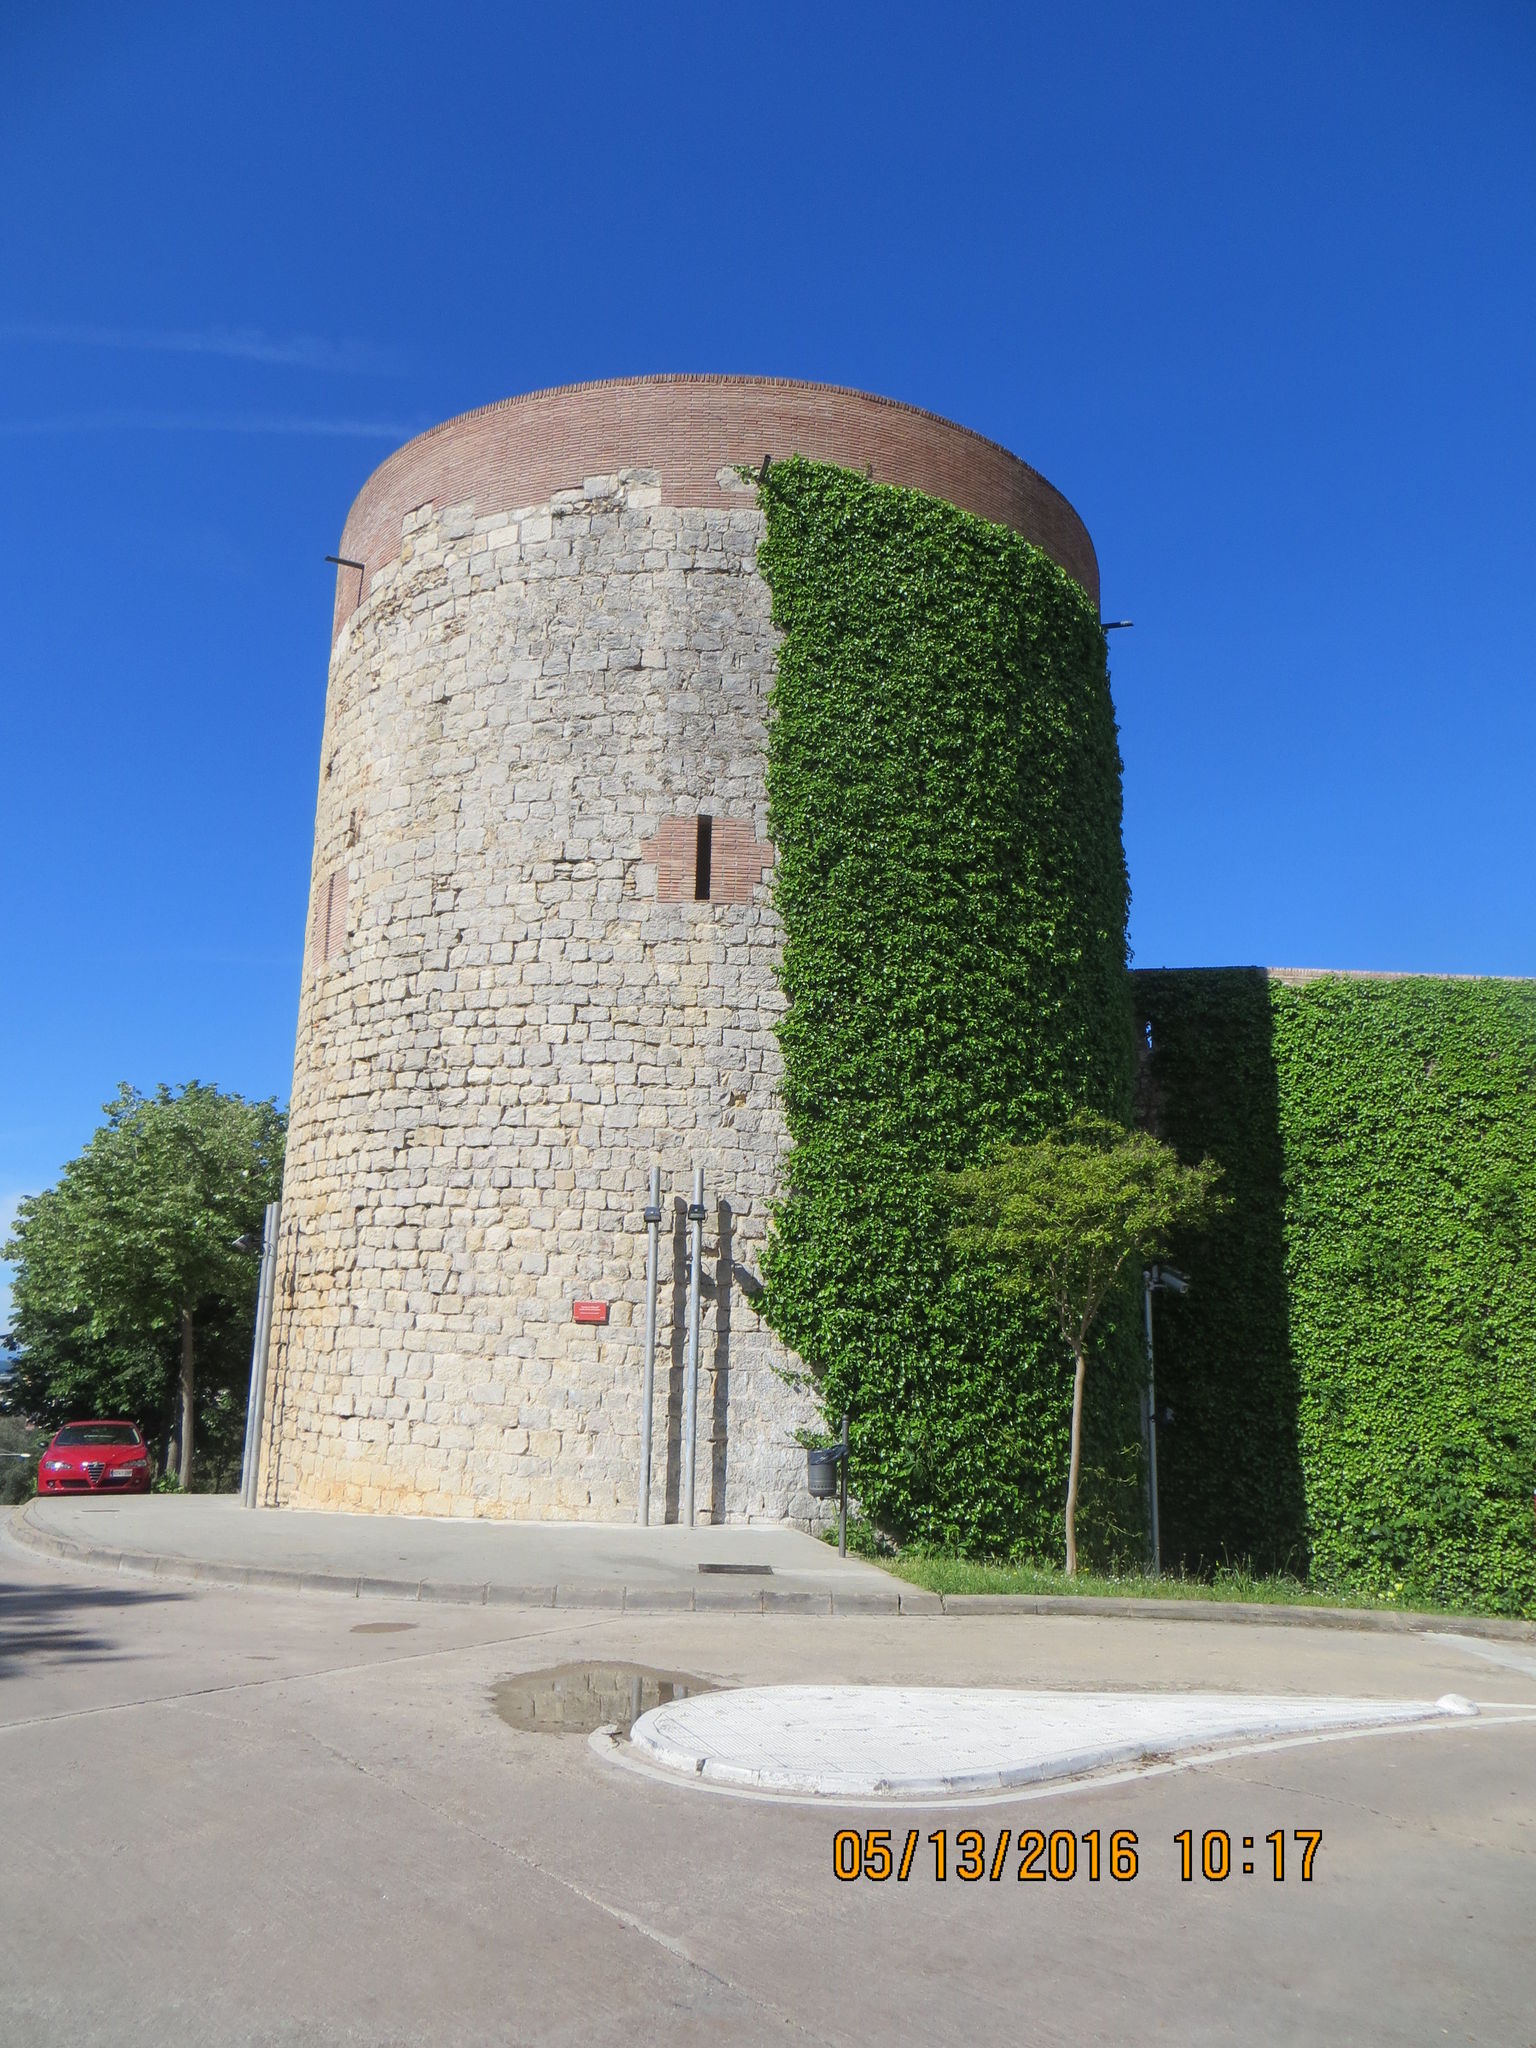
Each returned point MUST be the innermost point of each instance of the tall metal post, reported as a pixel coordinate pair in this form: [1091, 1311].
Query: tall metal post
[648, 1384]
[691, 1370]
[842, 1496]
[1148, 1282]
[256, 1399]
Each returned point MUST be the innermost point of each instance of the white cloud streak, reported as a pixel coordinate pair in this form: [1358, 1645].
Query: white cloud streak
[237, 344]
[132, 421]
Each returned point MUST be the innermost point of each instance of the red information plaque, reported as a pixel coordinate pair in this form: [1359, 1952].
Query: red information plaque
[590, 1311]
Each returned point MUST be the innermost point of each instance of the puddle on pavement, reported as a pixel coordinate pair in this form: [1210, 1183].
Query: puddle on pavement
[573, 1699]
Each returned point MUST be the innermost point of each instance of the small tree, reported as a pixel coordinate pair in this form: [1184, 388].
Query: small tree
[126, 1271]
[1061, 1218]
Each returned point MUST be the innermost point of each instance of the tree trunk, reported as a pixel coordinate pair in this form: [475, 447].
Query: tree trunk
[168, 1456]
[1081, 1356]
[184, 1469]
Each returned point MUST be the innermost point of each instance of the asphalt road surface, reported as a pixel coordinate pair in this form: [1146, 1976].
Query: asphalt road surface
[251, 1817]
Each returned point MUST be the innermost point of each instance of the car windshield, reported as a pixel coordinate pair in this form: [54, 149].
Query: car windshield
[80, 1433]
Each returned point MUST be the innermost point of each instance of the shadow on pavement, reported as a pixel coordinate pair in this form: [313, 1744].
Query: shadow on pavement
[63, 1623]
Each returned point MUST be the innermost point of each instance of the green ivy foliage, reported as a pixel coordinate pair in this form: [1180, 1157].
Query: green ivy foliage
[944, 794]
[1354, 1371]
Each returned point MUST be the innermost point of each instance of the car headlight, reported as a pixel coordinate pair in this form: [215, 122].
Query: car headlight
[57, 1464]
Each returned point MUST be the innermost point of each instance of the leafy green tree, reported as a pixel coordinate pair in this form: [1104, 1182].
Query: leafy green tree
[131, 1296]
[20, 1447]
[1060, 1219]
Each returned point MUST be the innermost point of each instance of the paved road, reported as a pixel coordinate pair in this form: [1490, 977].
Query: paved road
[251, 1817]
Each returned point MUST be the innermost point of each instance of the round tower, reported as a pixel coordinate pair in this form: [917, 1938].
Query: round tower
[541, 952]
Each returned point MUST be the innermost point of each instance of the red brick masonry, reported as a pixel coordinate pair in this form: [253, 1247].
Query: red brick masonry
[738, 860]
[522, 450]
[330, 917]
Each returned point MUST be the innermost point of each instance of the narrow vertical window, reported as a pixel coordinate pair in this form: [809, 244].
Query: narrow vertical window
[331, 915]
[701, 860]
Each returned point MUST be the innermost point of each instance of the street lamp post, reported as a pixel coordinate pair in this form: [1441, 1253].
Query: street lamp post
[1173, 1282]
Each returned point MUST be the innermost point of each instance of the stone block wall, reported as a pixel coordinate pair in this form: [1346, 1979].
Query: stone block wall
[514, 1024]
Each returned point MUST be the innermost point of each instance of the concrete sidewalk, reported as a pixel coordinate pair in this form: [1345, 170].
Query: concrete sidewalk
[762, 1568]
[212, 1539]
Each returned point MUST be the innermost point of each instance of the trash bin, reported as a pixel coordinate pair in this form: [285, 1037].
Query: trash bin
[821, 1472]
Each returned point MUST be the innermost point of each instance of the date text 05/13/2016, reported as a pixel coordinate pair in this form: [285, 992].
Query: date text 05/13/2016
[1038, 1856]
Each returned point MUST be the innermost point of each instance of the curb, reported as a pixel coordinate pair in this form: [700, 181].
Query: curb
[619, 1599]
[1380, 1620]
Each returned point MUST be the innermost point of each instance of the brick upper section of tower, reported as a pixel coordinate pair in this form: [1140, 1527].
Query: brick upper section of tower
[694, 432]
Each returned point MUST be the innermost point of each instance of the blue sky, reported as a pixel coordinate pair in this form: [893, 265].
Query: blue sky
[1253, 285]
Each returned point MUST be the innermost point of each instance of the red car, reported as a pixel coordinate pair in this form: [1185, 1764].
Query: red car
[95, 1457]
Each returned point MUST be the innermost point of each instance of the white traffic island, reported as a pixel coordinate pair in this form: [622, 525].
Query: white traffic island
[913, 1742]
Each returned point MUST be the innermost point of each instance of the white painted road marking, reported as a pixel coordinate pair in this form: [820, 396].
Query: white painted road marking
[1490, 1652]
[832, 1741]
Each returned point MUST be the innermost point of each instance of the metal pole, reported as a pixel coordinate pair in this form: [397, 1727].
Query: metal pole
[1148, 1282]
[842, 1498]
[648, 1384]
[256, 1400]
[251, 1423]
[691, 1373]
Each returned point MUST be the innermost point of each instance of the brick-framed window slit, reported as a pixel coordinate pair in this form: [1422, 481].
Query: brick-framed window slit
[331, 916]
[706, 859]
[703, 849]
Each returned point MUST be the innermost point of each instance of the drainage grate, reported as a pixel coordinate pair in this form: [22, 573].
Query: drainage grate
[746, 1571]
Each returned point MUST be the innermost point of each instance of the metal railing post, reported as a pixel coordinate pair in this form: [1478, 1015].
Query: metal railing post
[648, 1384]
[691, 1372]
[842, 1495]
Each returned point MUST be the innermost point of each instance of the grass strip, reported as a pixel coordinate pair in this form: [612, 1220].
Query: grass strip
[947, 1574]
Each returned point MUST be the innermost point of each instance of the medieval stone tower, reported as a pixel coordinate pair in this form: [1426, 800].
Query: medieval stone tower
[541, 951]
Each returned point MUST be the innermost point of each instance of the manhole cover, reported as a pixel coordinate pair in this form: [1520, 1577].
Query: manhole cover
[745, 1571]
[573, 1699]
[380, 1628]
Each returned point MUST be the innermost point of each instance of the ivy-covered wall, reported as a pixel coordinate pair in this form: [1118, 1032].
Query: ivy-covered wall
[944, 793]
[1353, 1373]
